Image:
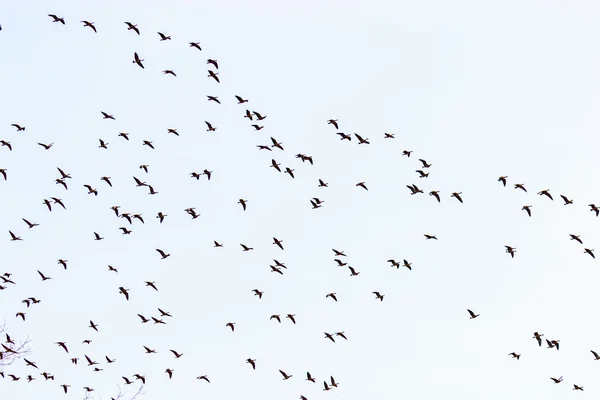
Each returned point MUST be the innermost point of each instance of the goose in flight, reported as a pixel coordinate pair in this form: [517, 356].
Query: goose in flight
[425, 165]
[566, 200]
[57, 19]
[275, 164]
[46, 146]
[538, 336]
[285, 376]
[163, 37]
[334, 123]
[332, 295]
[212, 74]
[546, 193]
[457, 196]
[163, 255]
[361, 140]
[503, 180]
[436, 194]
[575, 237]
[520, 186]
[210, 127]
[557, 380]
[137, 60]
[343, 136]
[278, 242]
[106, 115]
[243, 203]
[132, 27]
[362, 185]
[414, 189]
[13, 237]
[90, 25]
[240, 99]
[590, 252]
[472, 315]
[170, 72]
[515, 355]
[196, 45]
[511, 250]
[93, 326]
[176, 354]
[251, 362]
[124, 292]
[528, 209]
[596, 356]
[213, 62]
[379, 296]
[19, 127]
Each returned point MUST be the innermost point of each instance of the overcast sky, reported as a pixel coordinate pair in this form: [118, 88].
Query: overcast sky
[477, 89]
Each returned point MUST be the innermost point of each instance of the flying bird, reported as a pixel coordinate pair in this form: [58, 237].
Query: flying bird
[132, 27]
[57, 19]
[163, 37]
[90, 25]
[137, 60]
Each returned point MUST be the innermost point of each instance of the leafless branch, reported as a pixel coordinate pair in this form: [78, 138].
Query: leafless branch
[11, 352]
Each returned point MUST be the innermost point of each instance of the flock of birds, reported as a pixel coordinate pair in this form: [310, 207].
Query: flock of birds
[12, 350]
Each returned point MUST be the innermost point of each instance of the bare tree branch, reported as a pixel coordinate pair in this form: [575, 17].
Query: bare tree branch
[13, 350]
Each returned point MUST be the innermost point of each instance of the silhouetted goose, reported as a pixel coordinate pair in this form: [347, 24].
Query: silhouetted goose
[566, 200]
[362, 185]
[90, 25]
[137, 60]
[546, 193]
[132, 27]
[163, 37]
[57, 19]
[576, 237]
[213, 62]
[520, 186]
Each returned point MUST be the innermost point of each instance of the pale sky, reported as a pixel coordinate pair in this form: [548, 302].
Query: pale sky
[477, 89]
